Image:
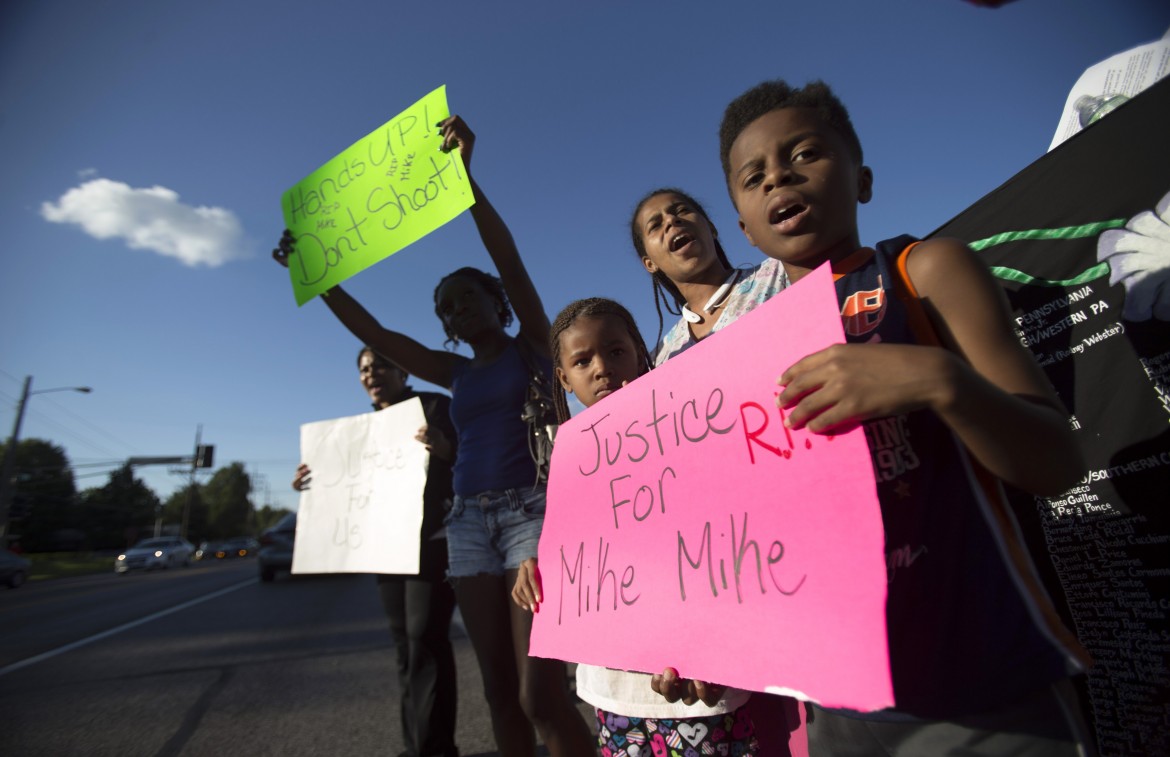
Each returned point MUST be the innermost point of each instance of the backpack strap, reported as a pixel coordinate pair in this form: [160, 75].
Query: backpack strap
[538, 412]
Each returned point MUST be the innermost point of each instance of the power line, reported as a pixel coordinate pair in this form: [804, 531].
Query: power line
[41, 417]
[69, 432]
[89, 425]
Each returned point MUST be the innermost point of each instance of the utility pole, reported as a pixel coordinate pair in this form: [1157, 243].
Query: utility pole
[203, 458]
[7, 470]
[195, 462]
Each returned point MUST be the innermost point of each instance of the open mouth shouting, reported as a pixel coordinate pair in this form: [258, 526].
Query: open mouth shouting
[680, 240]
[786, 214]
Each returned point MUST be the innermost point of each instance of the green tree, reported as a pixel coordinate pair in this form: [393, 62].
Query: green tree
[121, 512]
[267, 516]
[190, 497]
[229, 511]
[44, 502]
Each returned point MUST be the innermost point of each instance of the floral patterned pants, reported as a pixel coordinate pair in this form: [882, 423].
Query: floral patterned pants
[729, 735]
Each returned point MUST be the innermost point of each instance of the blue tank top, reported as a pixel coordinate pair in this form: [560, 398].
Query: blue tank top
[486, 403]
[964, 634]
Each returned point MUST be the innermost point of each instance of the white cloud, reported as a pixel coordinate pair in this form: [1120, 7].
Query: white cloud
[85, 173]
[151, 219]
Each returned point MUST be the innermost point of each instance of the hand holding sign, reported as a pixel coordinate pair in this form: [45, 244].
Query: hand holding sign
[303, 478]
[526, 593]
[284, 248]
[456, 134]
[837, 388]
[387, 190]
[365, 509]
[686, 521]
[673, 688]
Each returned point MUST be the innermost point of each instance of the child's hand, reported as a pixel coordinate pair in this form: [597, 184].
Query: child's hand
[672, 688]
[455, 133]
[284, 248]
[526, 593]
[840, 386]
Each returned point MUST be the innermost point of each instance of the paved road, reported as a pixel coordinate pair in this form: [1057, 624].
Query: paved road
[208, 660]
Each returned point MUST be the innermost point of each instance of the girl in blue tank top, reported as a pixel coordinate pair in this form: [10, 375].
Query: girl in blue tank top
[496, 517]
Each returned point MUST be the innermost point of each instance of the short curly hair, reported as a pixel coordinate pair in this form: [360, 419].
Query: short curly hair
[368, 349]
[491, 284]
[772, 95]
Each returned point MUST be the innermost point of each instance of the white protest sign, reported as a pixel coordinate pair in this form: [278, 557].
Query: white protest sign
[363, 510]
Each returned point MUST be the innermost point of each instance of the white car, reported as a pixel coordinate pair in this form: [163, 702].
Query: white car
[158, 552]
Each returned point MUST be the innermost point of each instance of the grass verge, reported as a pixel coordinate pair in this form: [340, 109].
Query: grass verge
[48, 565]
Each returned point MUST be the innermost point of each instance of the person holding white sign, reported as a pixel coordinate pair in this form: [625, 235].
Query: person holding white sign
[499, 503]
[419, 607]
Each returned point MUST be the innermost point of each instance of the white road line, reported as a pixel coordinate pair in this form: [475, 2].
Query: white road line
[124, 627]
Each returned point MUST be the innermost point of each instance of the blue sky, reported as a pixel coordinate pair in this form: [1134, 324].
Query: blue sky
[179, 125]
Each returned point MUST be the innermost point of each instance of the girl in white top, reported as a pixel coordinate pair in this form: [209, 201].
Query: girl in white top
[596, 350]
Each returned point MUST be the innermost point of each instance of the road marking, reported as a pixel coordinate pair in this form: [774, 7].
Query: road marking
[124, 627]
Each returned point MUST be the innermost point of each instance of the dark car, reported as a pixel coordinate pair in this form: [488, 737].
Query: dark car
[276, 547]
[13, 568]
[239, 546]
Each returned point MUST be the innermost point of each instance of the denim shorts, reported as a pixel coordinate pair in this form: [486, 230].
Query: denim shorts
[493, 531]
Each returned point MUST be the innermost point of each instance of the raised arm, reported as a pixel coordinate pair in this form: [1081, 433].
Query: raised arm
[435, 366]
[522, 294]
[985, 386]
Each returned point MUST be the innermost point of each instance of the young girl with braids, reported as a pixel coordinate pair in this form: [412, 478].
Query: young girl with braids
[691, 275]
[596, 350]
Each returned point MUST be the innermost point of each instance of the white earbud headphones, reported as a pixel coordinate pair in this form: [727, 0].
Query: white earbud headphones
[716, 299]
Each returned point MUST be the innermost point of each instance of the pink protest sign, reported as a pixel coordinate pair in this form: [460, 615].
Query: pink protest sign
[687, 526]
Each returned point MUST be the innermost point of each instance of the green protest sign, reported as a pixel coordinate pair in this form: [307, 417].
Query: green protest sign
[388, 189]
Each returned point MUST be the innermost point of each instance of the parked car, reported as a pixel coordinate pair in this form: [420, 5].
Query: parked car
[276, 547]
[13, 568]
[157, 552]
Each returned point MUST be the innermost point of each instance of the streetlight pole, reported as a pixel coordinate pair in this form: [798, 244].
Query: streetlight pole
[7, 479]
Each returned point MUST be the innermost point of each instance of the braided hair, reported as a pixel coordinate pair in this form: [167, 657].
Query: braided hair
[491, 284]
[662, 285]
[591, 307]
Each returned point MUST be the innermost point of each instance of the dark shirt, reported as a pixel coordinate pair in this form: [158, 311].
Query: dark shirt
[493, 442]
[963, 635]
[438, 492]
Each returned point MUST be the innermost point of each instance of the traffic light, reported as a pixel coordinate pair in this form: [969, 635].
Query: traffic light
[204, 455]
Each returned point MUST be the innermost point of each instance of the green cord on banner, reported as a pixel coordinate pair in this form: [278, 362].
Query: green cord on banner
[1067, 232]
[1011, 274]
